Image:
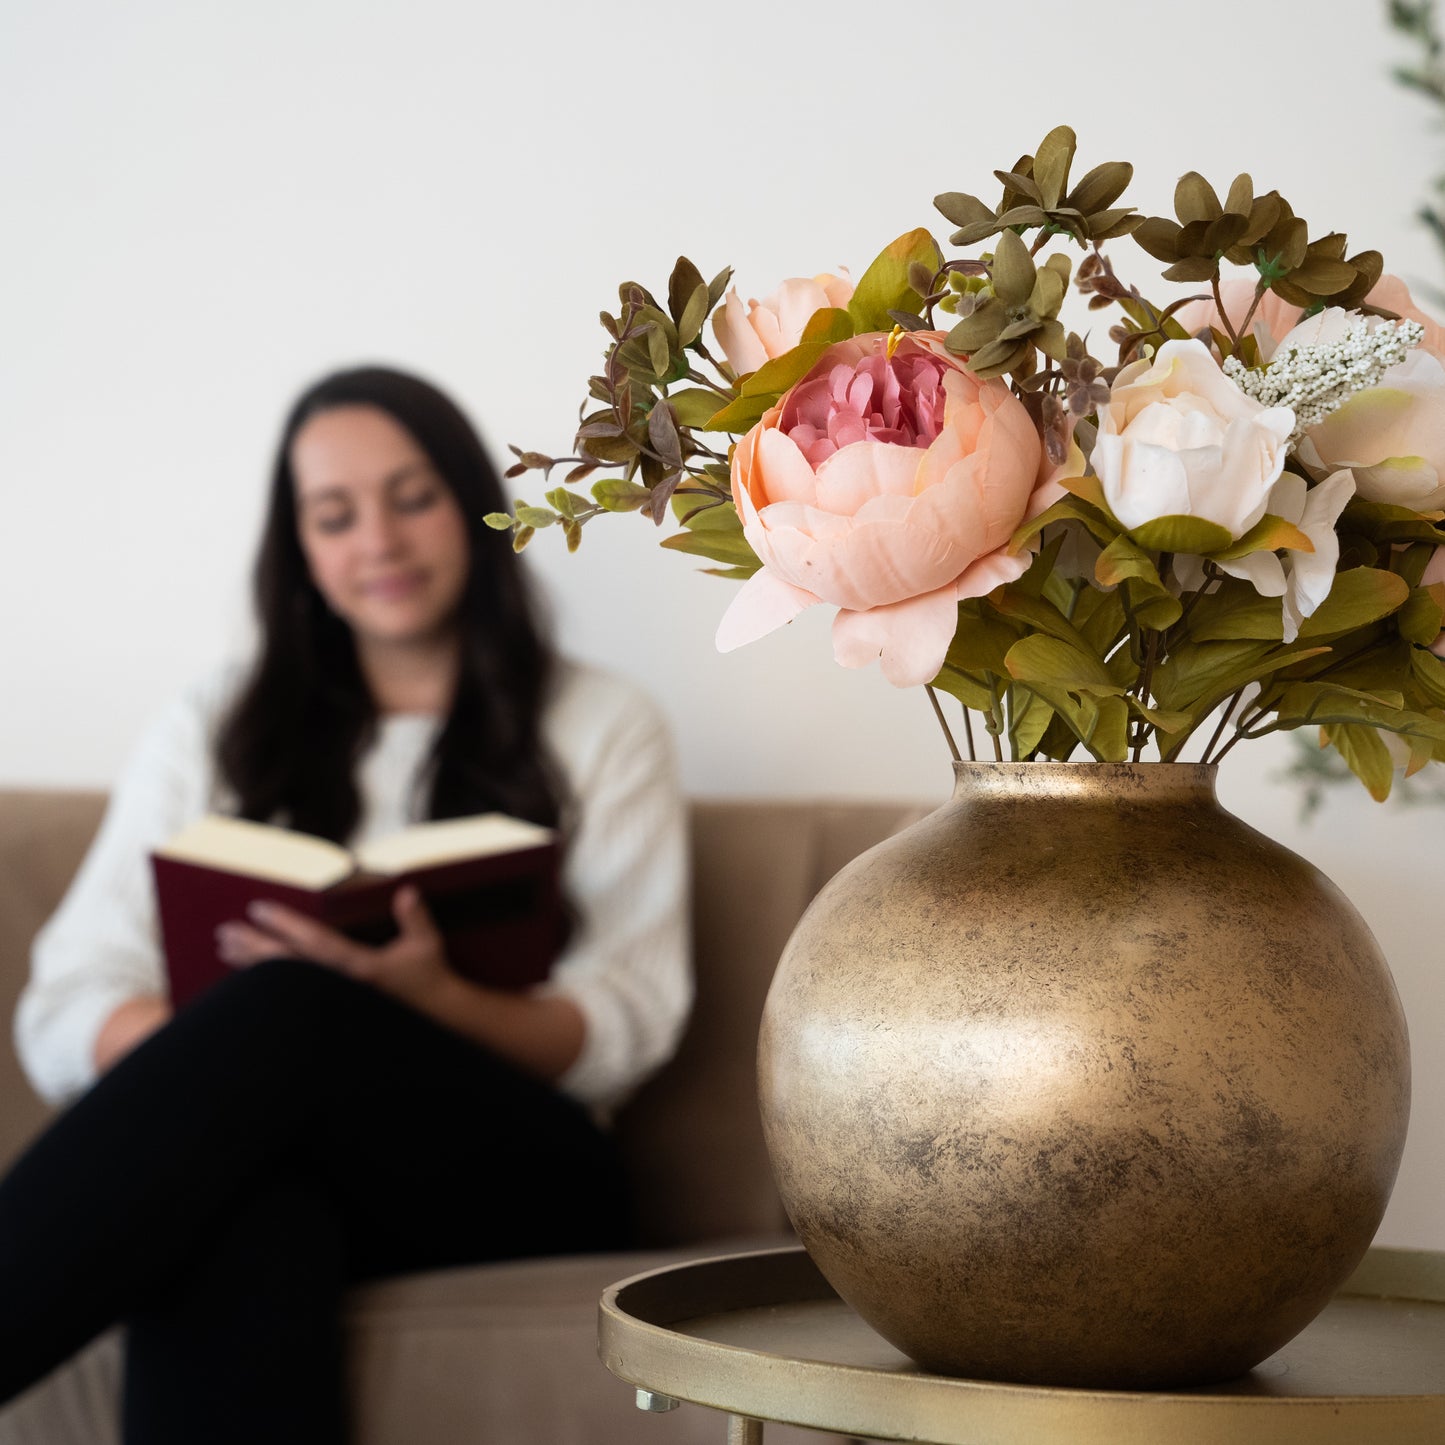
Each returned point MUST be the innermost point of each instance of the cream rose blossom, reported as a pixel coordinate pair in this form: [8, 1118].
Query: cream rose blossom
[887, 485]
[752, 334]
[1177, 438]
[1392, 435]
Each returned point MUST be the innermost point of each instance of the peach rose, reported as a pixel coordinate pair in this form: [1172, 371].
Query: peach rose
[1435, 572]
[1179, 439]
[1275, 318]
[1391, 293]
[764, 329]
[887, 485]
[1391, 436]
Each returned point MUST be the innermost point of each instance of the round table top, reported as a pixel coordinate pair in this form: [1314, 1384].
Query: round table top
[763, 1335]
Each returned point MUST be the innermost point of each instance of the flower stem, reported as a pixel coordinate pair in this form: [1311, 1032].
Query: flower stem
[938, 713]
[968, 733]
[1223, 314]
[995, 722]
[1223, 720]
[1259, 291]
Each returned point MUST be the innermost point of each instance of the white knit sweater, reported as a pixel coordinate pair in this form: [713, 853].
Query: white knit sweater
[626, 966]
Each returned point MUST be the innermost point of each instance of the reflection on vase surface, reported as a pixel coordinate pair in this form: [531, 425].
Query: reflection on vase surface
[1081, 1080]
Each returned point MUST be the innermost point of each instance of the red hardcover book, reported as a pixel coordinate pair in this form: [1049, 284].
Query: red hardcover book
[490, 883]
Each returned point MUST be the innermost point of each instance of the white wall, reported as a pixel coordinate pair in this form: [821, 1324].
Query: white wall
[206, 206]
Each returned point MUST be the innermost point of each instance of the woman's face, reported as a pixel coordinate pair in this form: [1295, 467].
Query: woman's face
[383, 536]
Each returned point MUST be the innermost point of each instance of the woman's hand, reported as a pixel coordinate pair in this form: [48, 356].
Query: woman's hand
[540, 1033]
[131, 1023]
[412, 967]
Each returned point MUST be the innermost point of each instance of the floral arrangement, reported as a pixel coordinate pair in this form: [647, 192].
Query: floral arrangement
[1238, 511]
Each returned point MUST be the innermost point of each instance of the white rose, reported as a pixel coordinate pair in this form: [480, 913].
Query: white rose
[1179, 439]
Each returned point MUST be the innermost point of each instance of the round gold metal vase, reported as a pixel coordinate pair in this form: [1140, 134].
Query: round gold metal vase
[1083, 1081]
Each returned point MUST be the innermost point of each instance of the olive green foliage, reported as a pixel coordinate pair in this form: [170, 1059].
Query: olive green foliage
[1099, 649]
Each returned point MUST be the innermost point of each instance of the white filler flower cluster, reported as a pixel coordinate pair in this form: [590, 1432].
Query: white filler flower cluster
[1315, 380]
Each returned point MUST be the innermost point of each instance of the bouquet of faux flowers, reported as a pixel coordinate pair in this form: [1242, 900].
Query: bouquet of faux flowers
[1240, 512]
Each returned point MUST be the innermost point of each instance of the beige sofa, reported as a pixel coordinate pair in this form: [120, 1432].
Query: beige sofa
[506, 1354]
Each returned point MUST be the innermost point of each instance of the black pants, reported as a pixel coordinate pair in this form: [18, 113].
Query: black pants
[287, 1134]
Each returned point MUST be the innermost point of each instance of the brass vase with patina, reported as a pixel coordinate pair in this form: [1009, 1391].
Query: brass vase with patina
[1083, 1081]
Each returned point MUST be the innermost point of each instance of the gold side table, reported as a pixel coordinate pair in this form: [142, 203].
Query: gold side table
[763, 1337]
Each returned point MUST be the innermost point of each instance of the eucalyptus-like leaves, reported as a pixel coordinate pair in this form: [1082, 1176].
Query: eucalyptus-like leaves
[1036, 193]
[1259, 231]
[1017, 315]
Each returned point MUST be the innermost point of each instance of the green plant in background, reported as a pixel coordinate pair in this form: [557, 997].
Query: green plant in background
[1416, 20]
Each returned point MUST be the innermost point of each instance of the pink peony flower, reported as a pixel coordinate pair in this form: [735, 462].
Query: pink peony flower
[888, 486]
[765, 329]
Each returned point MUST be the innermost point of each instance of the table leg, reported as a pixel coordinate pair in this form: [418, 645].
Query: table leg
[744, 1431]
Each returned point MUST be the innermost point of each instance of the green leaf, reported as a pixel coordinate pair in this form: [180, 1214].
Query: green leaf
[611, 451]
[717, 547]
[1199, 673]
[1100, 617]
[616, 495]
[1122, 559]
[775, 376]
[1269, 534]
[1029, 718]
[1013, 272]
[981, 640]
[499, 521]
[1066, 509]
[689, 324]
[961, 209]
[1235, 612]
[1090, 489]
[1054, 663]
[1182, 534]
[1359, 597]
[535, 517]
[565, 503]
[1382, 522]
[1428, 674]
[659, 354]
[1419, 620]
[1041, 575]
[1059, 741]
[884, 286]
[739, 416]
[682, 288]
[1368, 757]
[1164, 719]
[718, 285]
[696, 405]
[966, 688]
[826, 327]
[1051, 165]
[1153, 607]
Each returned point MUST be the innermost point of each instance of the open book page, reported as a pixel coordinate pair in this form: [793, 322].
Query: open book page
[426, 845]
[257, 850]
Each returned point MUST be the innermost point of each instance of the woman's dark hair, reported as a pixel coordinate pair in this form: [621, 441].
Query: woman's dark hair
[289, 747]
